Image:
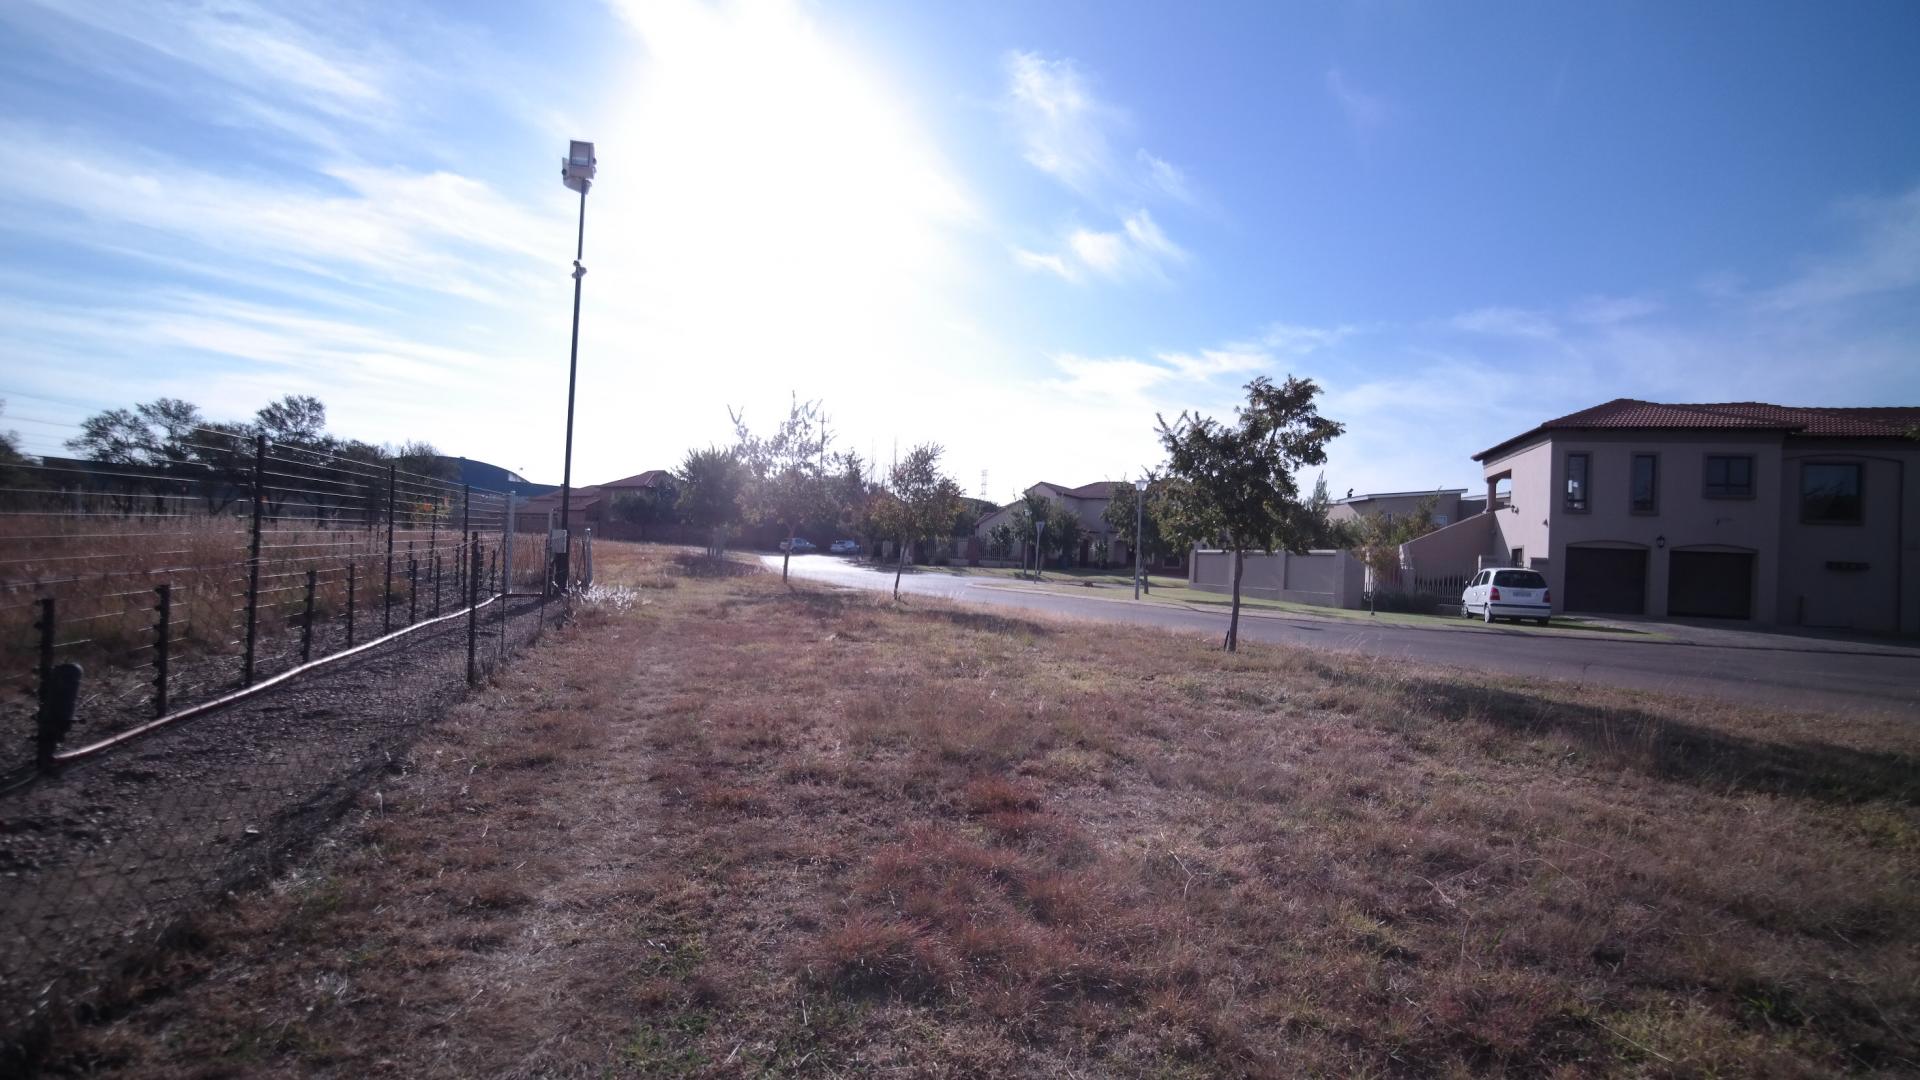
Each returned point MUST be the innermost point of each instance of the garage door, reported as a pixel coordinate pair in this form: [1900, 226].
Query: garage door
[1607, 581]
[1714, 584]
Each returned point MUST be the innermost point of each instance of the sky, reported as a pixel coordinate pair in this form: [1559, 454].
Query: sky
[1022, 231]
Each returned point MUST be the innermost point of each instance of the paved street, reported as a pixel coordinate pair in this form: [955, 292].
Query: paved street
[1743, 665]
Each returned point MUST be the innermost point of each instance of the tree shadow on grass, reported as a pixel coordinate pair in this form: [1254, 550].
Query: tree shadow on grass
[696, 564]
[1676, 750]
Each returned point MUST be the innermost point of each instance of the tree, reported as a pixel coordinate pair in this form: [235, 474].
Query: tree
[168, 439]
[1375, 539]
[295, 420]
[787, 479]
[1119, 517]
[921, 502]
[1000, 540]
[648, 506]
[1234, 484]
[710, 488]
[1327, 533]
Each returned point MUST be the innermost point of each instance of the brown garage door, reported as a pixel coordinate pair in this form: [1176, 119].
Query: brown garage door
[1607, 581]
[1714, 584]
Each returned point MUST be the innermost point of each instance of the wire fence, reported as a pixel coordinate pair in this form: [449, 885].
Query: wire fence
[208, 649]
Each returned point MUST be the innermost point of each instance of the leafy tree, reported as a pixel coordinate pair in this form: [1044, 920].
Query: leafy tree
[711, 483]
[1119, 517]
[787, 472]
[1234, 484]
[648, 506]
[1375, 539]
[921, 502]
[1327, 533]
[166, 438]
[1061, 530]
[13, 464]
[1000, 540]
[295, 420]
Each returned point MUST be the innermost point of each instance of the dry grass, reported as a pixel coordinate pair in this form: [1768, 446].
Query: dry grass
[731, 828]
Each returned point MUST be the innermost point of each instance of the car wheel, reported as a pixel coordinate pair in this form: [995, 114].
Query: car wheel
[1487, 613]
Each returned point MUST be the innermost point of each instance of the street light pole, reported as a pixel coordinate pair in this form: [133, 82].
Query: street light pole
[576, 172]
[1139, 516]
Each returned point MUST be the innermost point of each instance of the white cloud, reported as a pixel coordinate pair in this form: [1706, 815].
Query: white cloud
[1505, 322]
[421, 230]
[1165, 177]
[1883, 257]
[1060, 121]
[1138, 249]
[1366, 112]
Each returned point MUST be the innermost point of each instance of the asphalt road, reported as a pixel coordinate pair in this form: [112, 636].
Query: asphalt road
[1782, 670]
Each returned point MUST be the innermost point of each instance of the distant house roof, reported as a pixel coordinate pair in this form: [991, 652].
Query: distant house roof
[1099, 489]
[1399, 495]
[1630, 414]
[650, 479]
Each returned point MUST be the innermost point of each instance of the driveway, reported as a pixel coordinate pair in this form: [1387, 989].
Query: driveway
[1754, 667]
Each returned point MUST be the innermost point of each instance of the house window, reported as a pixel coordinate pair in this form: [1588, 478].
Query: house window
[1577, 466]
[1729, 476]
[1519, 556]
[1646, 484]
[1830, 494]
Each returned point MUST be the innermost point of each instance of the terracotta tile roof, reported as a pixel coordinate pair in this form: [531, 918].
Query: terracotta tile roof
[1630, 414]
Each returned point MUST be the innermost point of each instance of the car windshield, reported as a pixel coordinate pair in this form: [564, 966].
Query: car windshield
[1520, 579]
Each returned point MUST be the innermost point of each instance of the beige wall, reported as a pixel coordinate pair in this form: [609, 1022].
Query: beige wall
[1883, 597]
[1460, 548]
[1326, 578]
[1685, 518]
[1523, 522]
[1793, 583]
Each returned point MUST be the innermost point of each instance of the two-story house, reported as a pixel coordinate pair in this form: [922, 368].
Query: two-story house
[1744, 510]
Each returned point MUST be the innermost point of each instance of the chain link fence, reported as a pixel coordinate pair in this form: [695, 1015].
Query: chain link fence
[206, 657]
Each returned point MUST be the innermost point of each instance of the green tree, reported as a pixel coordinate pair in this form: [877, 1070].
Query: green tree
[1235, 485]
[711, 482]
[787, 478]
[1375, 539]
[1000, 540]
[921, 503]
[1119, 517]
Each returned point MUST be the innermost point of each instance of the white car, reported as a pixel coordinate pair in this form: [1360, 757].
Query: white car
[1507, 594]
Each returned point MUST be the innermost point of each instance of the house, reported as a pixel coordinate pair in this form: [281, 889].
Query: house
[1088, 503]
[1796, 516]
[591, 506]
[1449, 505]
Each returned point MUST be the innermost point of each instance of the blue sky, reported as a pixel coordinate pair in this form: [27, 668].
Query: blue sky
[1020, 230]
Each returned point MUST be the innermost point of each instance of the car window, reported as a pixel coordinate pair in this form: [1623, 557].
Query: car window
[1520, 579]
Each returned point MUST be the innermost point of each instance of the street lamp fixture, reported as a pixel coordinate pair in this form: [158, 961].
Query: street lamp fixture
[1139, 516]
[576, 171]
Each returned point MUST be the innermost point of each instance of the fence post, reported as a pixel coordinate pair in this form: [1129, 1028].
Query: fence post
[306, 623]
[413, 589]
[253, 560]
[386, 595]
[43, 693]
[506, 542]
[466, 529]
[587, 541]
[162, 645]
[493, 561]
[473, 608]
[434, 573]
[351, 568]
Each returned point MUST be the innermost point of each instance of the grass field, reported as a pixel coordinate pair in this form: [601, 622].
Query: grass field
[723, 827]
